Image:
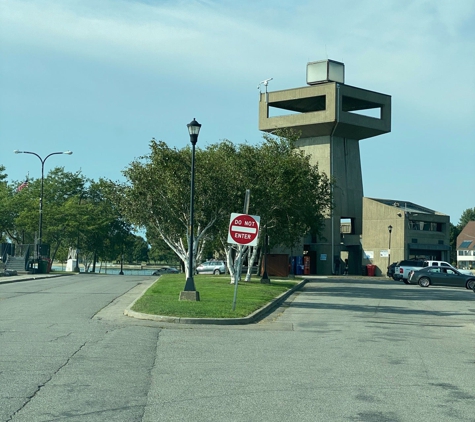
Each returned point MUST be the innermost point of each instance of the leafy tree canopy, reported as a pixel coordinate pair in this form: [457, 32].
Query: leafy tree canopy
[467, 215]
[287, 192]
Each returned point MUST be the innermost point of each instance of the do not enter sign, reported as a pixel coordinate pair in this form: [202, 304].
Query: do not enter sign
[243, 229]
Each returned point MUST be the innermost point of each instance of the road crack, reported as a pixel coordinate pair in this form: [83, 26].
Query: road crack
[38, 389]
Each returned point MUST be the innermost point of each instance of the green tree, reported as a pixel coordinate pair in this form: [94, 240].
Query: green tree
[467, 215]
[288, 193]
[58, 223]
[76, 212]
[156, 193]
[22, 213]
[454, 232]
[136, 249]
[102, 233]
[5, 220]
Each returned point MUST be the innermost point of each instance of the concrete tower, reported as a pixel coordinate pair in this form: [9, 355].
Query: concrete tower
[332, 118]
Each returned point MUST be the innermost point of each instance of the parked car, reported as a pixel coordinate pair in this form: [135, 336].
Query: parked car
[404, 267]
[165, 270]
[391, 271]
[441, 276]
[446, 264]
[211, 267]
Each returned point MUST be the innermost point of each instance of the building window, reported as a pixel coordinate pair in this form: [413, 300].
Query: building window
[347, 226]
[425, 226]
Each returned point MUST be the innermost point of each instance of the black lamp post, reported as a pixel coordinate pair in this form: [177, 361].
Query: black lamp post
[390, 229]
[190, 292]
[122, 261]
[40, 228]
[76, 268]
[265, 277]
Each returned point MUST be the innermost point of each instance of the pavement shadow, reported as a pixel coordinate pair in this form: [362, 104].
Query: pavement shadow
[382, 290]
[388, 290]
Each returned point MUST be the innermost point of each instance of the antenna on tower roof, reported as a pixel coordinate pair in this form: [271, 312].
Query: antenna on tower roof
[265, 82]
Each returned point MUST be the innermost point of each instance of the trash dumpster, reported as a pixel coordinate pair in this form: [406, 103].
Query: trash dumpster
[371, 269]
[43, 266]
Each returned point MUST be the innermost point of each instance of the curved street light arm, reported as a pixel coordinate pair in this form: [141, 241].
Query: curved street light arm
[42, 160]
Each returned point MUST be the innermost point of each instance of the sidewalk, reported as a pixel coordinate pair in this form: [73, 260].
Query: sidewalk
[27, 277]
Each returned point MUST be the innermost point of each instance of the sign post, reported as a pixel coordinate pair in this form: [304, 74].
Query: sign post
[243, 231]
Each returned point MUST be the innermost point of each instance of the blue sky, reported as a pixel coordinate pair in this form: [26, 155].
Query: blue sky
[101, 78]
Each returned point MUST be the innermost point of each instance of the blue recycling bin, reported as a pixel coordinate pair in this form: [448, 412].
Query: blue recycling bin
[298, 265]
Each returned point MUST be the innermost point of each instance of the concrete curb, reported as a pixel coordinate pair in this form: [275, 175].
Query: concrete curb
[20, 278]
[252, 318]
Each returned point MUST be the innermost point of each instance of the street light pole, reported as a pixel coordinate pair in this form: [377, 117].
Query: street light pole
[42, 160]
[265, 277]
[122, 260]
[76, 268]
[390, 229]
[190, 292]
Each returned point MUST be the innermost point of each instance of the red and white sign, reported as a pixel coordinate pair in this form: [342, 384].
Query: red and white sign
[243, 229]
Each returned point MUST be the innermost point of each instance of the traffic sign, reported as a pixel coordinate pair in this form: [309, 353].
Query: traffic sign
[243, 229]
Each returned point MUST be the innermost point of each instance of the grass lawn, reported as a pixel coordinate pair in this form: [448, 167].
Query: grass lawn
[216, 296]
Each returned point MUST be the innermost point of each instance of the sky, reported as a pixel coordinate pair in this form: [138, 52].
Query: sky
[102, 78]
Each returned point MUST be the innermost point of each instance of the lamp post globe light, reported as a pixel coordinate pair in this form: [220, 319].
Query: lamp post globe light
[42, 160]
[189, 292]
[390, 229]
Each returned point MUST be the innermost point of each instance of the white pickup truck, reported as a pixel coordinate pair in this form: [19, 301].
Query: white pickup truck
[403, 268]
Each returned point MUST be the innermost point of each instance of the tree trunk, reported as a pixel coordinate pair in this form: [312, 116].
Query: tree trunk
[250, 262]
[94, 262]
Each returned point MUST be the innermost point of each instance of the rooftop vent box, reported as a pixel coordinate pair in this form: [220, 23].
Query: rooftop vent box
[325, 71]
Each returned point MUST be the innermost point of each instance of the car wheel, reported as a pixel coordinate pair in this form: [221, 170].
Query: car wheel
[216, 272]
[470, 284]
[424, 282]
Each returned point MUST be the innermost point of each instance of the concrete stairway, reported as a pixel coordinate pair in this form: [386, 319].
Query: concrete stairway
[16, 263]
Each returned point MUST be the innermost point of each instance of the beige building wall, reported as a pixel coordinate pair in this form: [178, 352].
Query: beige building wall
[417, 232]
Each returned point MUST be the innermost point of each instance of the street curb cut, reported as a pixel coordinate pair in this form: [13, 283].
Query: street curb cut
[252, 318]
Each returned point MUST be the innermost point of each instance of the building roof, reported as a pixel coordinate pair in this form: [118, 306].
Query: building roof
[406, 206]
[466, 238]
